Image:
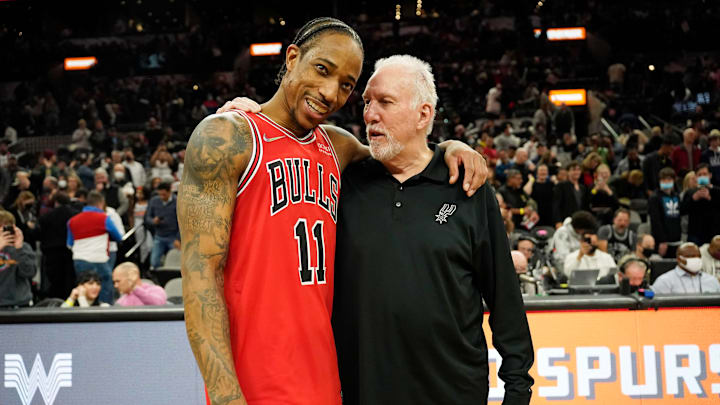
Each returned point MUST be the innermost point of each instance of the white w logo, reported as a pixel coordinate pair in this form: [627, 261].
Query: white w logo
[60, 376]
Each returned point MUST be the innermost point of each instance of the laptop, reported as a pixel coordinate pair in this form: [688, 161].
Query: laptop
[584, 277]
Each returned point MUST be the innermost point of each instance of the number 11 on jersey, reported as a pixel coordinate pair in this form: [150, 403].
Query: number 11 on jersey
[307, 271]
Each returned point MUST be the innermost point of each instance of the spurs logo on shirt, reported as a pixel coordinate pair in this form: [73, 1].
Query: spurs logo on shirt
[444, 213]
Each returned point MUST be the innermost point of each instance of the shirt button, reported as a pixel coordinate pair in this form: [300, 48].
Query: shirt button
[400, 188]
[398, 204]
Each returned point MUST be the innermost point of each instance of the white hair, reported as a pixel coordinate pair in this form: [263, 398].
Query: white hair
[100, 170]
[422, 76]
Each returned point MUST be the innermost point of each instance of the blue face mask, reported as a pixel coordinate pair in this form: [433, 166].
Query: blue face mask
[666, 186]
[703, 181]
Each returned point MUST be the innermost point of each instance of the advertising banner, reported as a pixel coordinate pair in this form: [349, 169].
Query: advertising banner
[614, 357]
[666, 356]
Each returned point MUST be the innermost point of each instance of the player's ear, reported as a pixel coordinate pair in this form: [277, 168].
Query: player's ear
[292, 56]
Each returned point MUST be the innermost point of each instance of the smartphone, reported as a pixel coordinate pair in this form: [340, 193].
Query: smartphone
[9, 228]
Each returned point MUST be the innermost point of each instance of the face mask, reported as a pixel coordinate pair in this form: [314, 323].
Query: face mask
[703, 181]
[693, 264]
[648, 252]
[666, 186]
[62, 183]
[119, 175]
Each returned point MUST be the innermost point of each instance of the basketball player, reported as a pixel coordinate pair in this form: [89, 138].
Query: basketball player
[258, 253]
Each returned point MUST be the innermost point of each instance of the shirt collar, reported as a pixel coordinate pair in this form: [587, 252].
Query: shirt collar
[436, 170]
[92, 209]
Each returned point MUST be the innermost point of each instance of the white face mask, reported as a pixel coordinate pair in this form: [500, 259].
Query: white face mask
[693, 264]
[62, 183]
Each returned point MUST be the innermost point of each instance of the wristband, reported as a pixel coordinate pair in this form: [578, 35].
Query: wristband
[70, 302]
[522, 211]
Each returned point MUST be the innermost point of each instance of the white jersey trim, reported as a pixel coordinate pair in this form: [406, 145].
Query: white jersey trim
[307, 139]
[334, 154]
[255, 158]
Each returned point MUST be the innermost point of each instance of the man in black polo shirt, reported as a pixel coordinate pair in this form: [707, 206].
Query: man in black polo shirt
[414, 260]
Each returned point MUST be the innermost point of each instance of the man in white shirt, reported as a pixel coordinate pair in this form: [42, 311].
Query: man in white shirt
[710, 254]
[506, 139]
[589, 257]
[686, 277]
[137, 170]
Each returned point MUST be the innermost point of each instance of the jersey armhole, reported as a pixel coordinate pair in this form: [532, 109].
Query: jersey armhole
[332, 149]
[256, 156]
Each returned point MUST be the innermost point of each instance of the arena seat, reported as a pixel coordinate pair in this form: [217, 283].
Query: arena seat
[173, 288]
[660, 267]
[172, 259]
[644, 228]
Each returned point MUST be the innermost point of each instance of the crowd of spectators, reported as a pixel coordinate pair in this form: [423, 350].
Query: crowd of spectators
[635, 172]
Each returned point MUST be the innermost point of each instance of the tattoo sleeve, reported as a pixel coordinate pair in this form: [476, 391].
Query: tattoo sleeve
[217, 153]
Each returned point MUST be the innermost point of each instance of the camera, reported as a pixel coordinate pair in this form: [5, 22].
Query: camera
[9, 228]
[587, 239]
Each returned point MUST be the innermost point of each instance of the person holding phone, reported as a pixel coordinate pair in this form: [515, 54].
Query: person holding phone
[17, 265]
[589, 257]
[702, 205]
[161, 218]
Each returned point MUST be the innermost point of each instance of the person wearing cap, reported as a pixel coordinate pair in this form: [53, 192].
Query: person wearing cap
[687, 277]
[711, 156]
[655, 161]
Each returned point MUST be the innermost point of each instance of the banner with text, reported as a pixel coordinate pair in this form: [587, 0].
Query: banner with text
[668, 356]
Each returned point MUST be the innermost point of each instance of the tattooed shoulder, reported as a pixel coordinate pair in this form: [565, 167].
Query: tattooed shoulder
[218, 147]
[217, 153]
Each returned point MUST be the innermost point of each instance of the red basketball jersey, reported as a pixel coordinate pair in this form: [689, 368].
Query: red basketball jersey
[280, 266]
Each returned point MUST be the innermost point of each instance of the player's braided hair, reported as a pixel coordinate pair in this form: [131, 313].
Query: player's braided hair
[308, 34]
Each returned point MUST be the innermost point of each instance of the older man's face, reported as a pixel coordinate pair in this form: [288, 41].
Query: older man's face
[390, 115]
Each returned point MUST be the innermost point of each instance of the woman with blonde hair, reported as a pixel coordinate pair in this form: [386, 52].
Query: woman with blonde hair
[589, 164]
[603, 201]
[23, 209]
[73, 185]
[689, 182]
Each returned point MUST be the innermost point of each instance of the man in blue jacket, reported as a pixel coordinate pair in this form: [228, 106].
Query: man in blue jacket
[161, 216]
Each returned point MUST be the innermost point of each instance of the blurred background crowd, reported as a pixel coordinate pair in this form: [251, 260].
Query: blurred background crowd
[633, 173]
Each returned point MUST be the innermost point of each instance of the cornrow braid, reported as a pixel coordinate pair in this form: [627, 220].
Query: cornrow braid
[309, 32]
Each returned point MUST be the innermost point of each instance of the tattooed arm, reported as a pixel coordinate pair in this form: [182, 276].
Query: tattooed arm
[216, 155]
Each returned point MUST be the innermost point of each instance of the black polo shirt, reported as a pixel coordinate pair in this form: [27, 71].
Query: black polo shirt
[413, 263]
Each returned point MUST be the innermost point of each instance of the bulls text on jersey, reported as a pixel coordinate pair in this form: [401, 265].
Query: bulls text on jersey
[289, 184]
